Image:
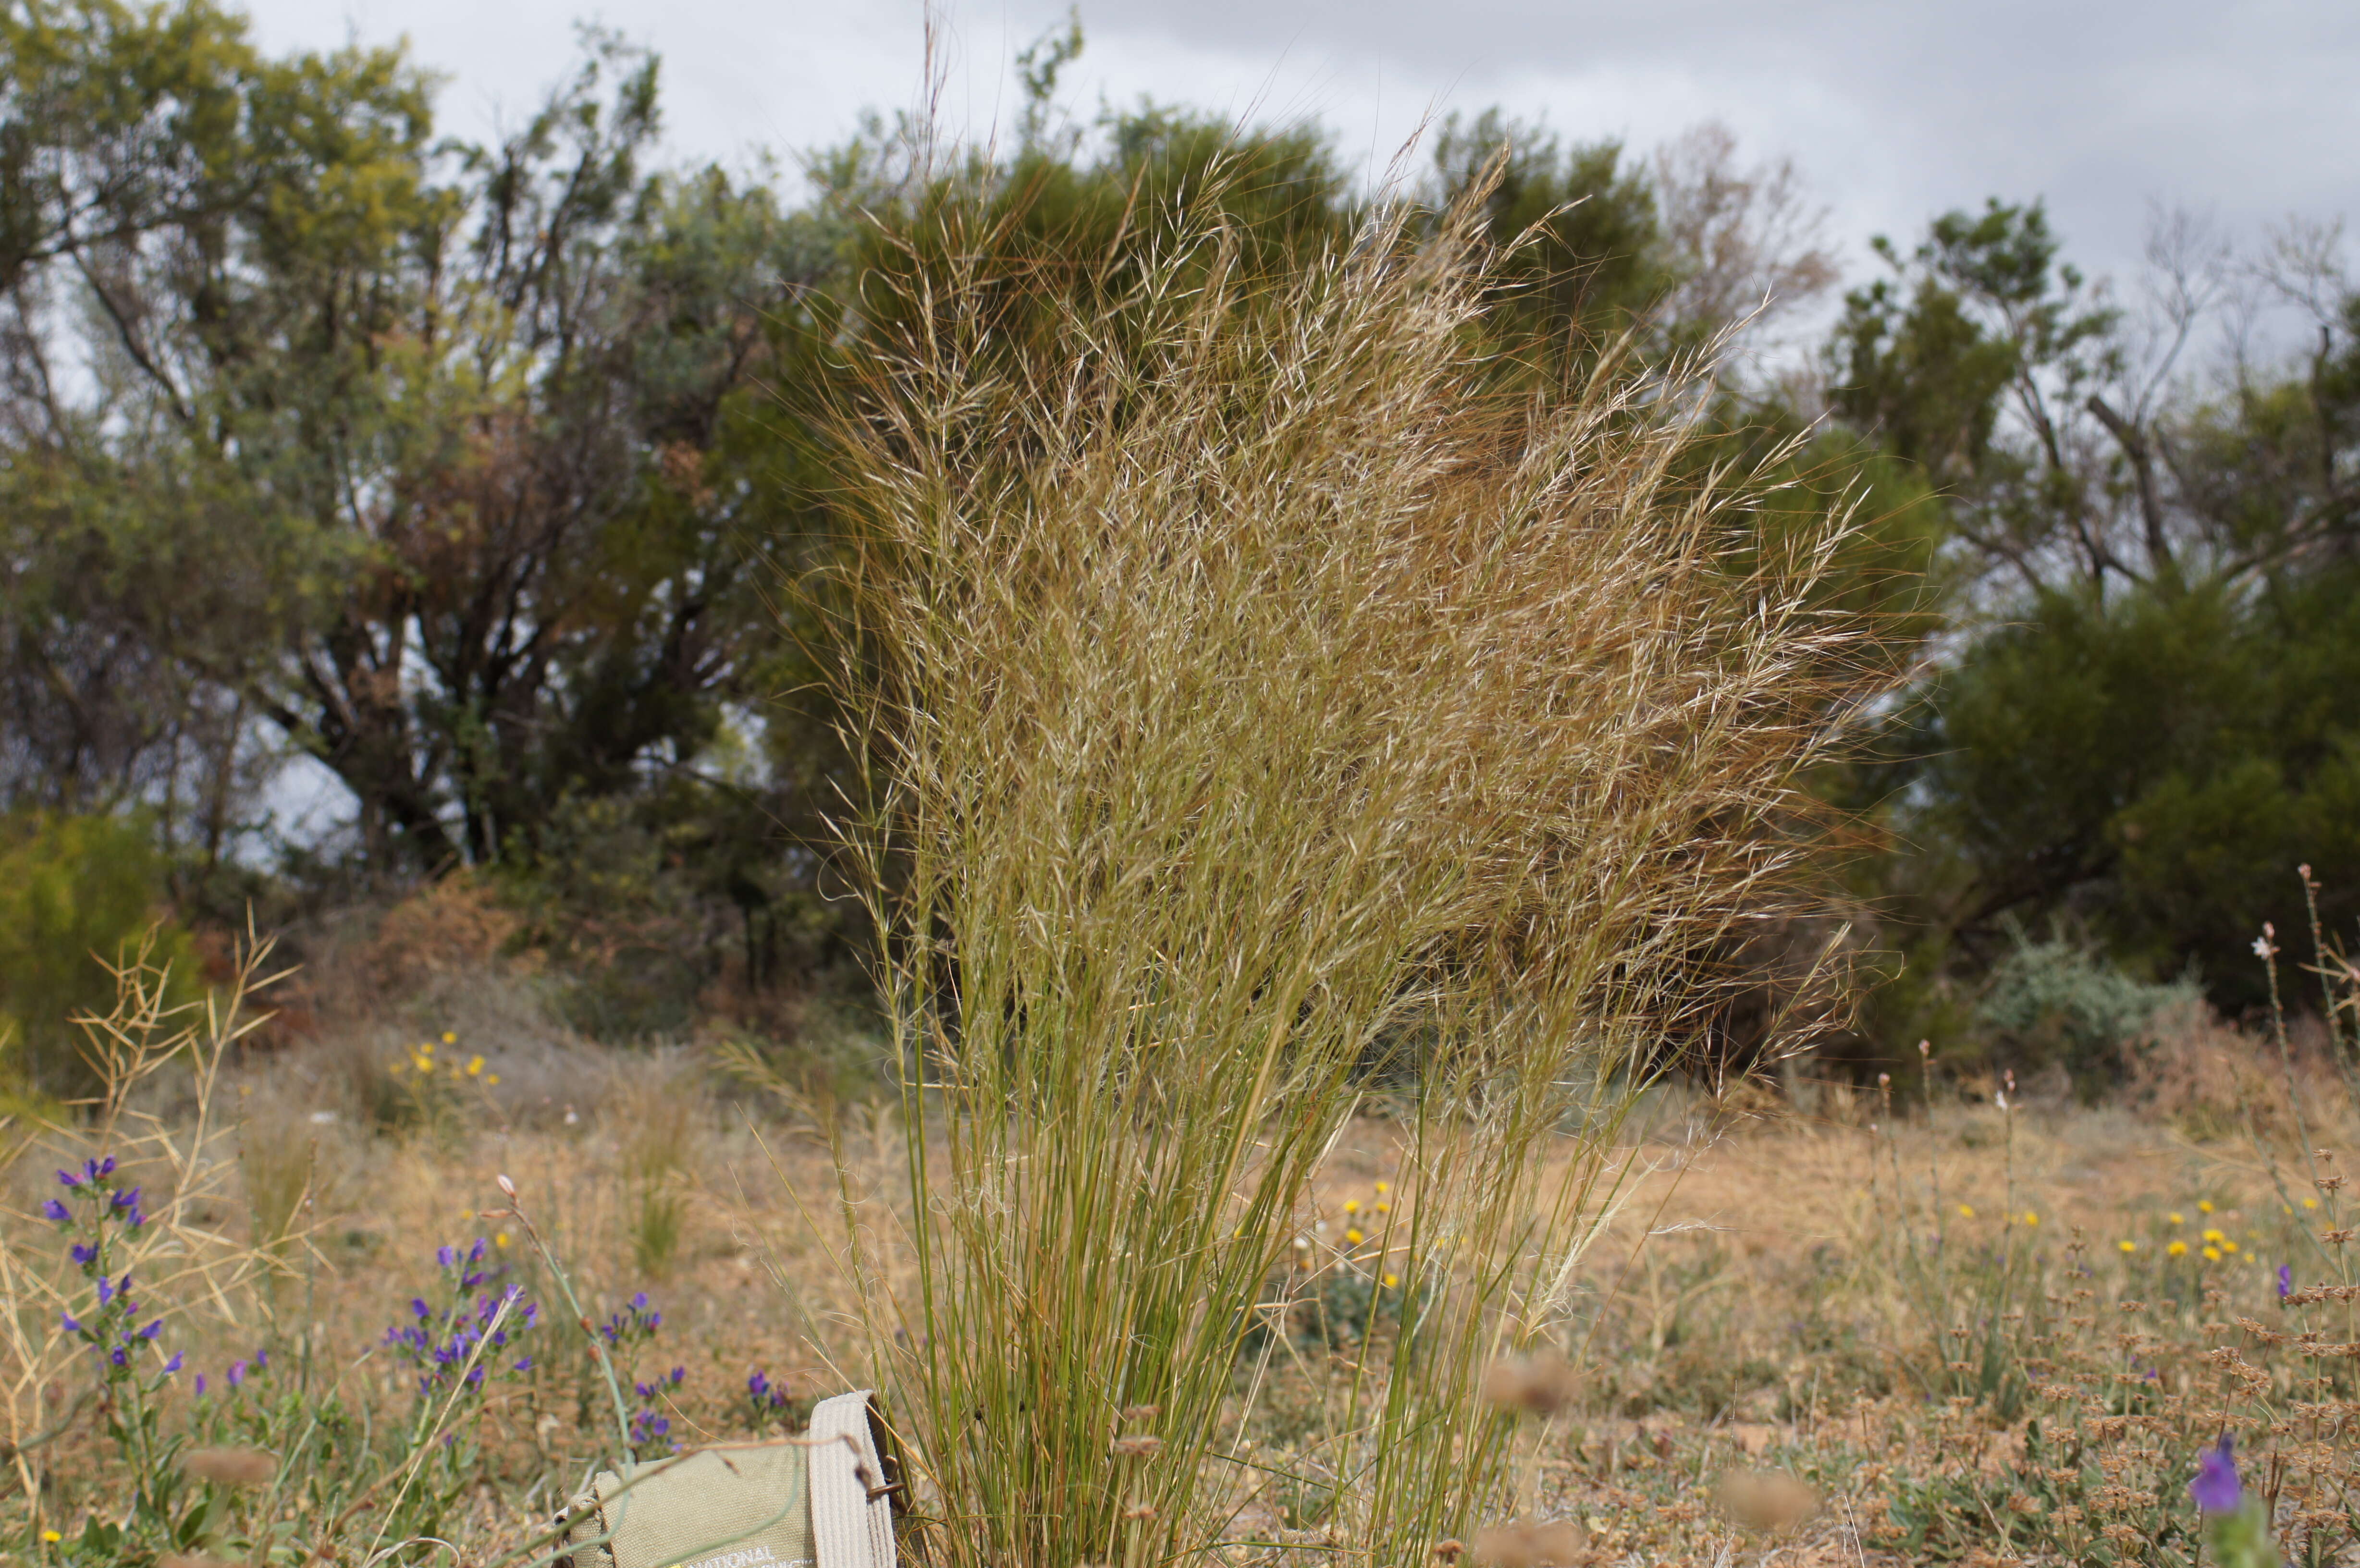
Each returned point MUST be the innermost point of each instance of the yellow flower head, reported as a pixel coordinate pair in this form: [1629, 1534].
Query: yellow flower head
[1391, 1280]
[1966, 1210]
[493, 1079]
[500, 1239]
[2213, 1255]
[1383, 1187]
[1354, 1237]
[1383, 1207]
[1351, 1205]
[2127, 1245]
[2212, 1235]
[2310, 1202]
[2176, 1217]
[474, 1065]
[426, 1047]
[2203, 1205]
[53, 1537]
[2176, 1249]
[450, 1039]
[2030, 1218]
[2228, 1246]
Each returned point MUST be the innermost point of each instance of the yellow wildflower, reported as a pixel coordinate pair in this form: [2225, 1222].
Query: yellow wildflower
[1351, 1205]
[2210, 1235]
[2310, 1202]
[2127, 1245]
[53, 1537]
[1383, 1187]
[2227, 1245]
[1966, 1210]
[450, 1039]
[2176, 1217]
[493, 1079]
[1354, 1237]
[2030, 1218]
[2212, 1255]
[2203, 1205]
[500, 1239]
[2176, 1249]
[1383, 1207]
[475, 1066]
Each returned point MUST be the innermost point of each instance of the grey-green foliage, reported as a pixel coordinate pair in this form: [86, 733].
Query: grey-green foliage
[2056, 1002]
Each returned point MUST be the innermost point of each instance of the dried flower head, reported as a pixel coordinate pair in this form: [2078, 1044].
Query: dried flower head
[1532, 1544]
[1135, 1447]
[1765, 1500]
[231, 1466]
[1542, 1385]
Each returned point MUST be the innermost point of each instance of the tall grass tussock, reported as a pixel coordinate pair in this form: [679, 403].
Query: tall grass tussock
[1279, 709]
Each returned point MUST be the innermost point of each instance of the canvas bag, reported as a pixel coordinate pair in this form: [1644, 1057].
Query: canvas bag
[823, 1500]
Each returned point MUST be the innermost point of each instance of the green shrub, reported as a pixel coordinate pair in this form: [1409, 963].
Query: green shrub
[74, 890]
[2053, 1003]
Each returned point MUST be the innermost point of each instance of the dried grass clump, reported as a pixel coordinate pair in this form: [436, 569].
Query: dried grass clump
[1262, 707]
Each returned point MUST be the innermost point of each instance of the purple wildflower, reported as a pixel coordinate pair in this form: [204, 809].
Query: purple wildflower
[126, 1199]
[151, 1331]
[53, 1209]
[2217, 1488]
[72, 1325]
[2285, 1281]
[68, 1179]
[82, 1255]
[120, 1356]
[174, 1365]
[237, 1373]
[524, 1364]
[201, 1385]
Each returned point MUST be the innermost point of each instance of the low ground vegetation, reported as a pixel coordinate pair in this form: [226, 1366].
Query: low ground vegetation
[1828, 1327]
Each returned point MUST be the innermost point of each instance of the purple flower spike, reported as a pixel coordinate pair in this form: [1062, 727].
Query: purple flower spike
[261, 1359]
[524, 1364]
[2215, 1487]
[135, 1219]
[2285, 1281]
[68, 1179]
[126, 1199]
[71, 1325]
[174, 1365]
[151, 1331]
[445, 1256]
[53, 1209]
[758, 1384]
[237, 1373]
[84, 1256]
[106, 1290]
[120, 1357]
[639, 1301]
[200, 1382]
[98, 1168]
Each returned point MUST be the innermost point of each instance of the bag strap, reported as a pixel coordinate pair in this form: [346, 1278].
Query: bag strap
[851, 1496]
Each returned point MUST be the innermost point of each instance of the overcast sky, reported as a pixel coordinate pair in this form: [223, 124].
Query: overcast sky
[1893, 110]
